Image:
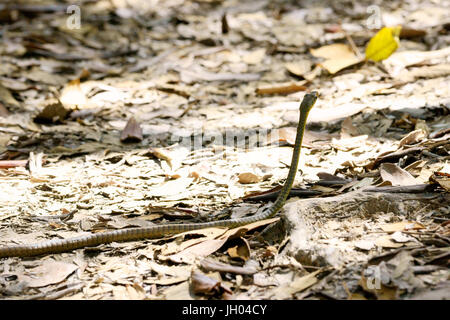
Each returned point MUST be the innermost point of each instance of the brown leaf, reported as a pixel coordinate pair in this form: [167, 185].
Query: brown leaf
[161, 154]
[288, 89]
[382, 292]
[72, 97]
[132, 131]
[202, 284]
[339, 56]
[205, 247]
[402, 226]
[3, 111]
[442, 178]
[254, 57]
[300, 68]
[413, 137]
[348, 129]
[248, 177]
[298, 284]
[240, 250]
[386, 242]
[52, 113]
[7, 98]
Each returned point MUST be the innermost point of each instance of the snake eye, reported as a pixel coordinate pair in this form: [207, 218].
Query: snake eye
[315, 93]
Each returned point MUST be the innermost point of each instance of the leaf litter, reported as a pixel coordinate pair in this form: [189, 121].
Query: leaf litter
[127, 122]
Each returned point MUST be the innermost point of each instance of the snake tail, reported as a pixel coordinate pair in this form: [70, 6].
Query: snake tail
[158, 231]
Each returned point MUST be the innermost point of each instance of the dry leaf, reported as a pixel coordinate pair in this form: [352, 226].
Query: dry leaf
[50, 272]
[297, 285]
[383, 44]
[208, 246]
[400, 60]
[248, 177]
[299, 68]
[401, 237]
[7, 98]
[171, 187]
[382, 292]
[442, 178]
[339, 56]
[364, 244]
[199, 250]
[241, 250]
[402, 226]
[72, 97]
[413, 137]
[162, 154]
[53, 112]
[132, 131]
[254, 57]
[202, 284]
[386, 242]
[348, 129]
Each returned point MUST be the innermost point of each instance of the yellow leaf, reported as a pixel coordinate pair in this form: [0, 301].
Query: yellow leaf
[383, 44]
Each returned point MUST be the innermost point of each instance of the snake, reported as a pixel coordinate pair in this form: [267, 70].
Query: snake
[158, 231]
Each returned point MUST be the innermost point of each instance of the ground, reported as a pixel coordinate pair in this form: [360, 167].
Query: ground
[120, 114]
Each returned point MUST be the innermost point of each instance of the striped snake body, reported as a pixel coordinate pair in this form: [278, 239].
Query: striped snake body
[60, 245]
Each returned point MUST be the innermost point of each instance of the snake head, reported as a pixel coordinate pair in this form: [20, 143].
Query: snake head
[308, 101]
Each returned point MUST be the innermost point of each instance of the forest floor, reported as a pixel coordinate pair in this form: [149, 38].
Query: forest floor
[119, 114]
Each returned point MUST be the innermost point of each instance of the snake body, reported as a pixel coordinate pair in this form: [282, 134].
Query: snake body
[60, 245]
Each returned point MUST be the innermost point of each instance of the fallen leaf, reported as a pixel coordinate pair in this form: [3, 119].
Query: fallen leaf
[383, 44]
[162, 154]
[179, 292]
[207, 246]
[297, 285]
[202, 284]
[3, 111]
[412, 138]
[132, 131]
[348, 129]
[442, 178]
[254, 57]
[72, 97]
[53, 112]
[382, 292]
[199, 250]
[7, 98]
[400, 60]
[364, 244]
[248, 177]
[50, 272]
[299, 68]
[386, 242]
[241, 250]
[338, 56]
[401, 237]
[402, 226]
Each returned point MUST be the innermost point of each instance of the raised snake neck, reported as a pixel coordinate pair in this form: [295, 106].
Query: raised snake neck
[60, 245]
